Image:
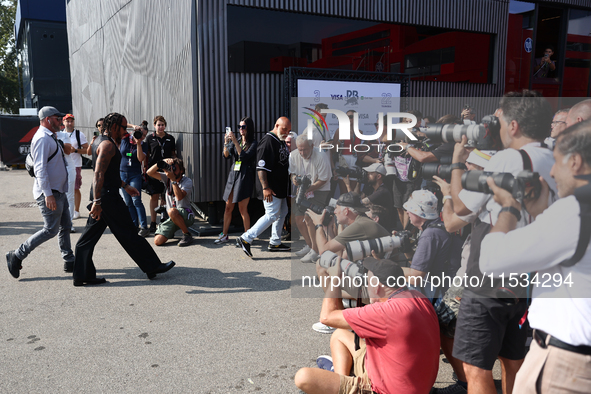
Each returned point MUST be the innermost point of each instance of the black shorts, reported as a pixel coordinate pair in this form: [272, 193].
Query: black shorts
[401, 191]
[154, 186]
[488, 328]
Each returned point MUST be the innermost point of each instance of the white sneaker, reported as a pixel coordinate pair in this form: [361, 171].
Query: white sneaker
[222, 239]
[303, 251]
[311, 257]
[76, 215]
[323, 328]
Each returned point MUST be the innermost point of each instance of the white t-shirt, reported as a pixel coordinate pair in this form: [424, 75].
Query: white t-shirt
[317, 167]
[65, 138]
[561, 310]
[510, 160]
[186, 184]
[77, 157]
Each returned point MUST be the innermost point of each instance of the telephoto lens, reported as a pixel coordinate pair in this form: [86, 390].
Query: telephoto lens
[480, 136]
[476, 181]
[349, 268]
[442, 171]
[357, 250]
[138, 134]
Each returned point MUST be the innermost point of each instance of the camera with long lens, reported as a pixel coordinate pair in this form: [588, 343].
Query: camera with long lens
[516, 185]
[304, 183]
[164, 166]
[349, 268]
[481, 136]
[357, 250]
[443, 171]
[138, 134]
[359, 173]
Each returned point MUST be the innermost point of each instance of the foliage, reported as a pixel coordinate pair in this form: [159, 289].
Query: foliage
[9, 87]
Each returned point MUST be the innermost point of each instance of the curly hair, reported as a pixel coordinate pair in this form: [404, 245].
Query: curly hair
[111, 120]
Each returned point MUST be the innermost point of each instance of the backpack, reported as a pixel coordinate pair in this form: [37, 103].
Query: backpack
[30, 163]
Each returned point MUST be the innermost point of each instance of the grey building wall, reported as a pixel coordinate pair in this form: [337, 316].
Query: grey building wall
[135, 58]
[169, 57]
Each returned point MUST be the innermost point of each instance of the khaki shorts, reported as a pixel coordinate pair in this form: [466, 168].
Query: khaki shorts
[168, 228]
[360, 383]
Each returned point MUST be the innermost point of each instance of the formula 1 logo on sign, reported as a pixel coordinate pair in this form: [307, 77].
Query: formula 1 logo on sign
[528, 45]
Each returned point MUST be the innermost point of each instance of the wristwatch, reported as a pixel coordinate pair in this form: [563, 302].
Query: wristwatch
[512, 210]
[456, 166]
[174, 182]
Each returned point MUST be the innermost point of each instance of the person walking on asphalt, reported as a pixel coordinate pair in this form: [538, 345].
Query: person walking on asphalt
[108, 209]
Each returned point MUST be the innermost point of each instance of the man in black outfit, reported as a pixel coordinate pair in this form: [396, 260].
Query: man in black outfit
[108, 209]
[272, 169]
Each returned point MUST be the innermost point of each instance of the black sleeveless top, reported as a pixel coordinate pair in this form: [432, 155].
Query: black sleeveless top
[112, 180]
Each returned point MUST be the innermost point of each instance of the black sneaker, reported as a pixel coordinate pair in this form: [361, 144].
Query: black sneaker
[244, 245]
[278, 248]
[153, 227]
[68, 266]
[160, 210]
[14, 264]
[186, 240]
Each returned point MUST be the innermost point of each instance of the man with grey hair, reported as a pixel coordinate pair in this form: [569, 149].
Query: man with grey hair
[313, 165]
[553, 246]
[557, 126]
[49, 190]
[579, 112]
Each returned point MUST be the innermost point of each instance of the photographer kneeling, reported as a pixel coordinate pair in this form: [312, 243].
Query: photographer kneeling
[397, 337]
[177, 201]
[348, 212]
[310, 170]
[556, 247]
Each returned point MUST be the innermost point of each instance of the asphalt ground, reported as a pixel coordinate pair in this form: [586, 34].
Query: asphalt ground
[219, 322]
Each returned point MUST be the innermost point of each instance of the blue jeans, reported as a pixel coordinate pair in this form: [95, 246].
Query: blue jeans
[134, 204]
[56, 222]
[275, 213]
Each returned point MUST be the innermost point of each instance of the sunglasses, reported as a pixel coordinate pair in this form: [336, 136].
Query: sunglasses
[242, 126]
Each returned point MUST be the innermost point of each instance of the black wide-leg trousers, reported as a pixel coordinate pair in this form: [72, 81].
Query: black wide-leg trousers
[115, 215]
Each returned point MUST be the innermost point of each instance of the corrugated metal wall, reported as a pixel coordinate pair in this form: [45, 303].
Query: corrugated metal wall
[136, 58]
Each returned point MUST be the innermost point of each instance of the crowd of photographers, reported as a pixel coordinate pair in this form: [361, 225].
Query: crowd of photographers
[448, 244]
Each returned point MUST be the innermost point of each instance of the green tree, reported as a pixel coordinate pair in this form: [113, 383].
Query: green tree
[9, 87]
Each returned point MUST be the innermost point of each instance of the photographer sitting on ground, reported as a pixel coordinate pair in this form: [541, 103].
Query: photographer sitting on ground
[348, 212]
[398, 338]
[307, 162]
[177, 201]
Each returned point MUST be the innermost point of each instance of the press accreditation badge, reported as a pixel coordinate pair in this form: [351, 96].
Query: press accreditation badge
[237, 165]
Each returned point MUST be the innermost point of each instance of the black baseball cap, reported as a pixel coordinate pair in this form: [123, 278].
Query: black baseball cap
[386, 271]
[351, 200]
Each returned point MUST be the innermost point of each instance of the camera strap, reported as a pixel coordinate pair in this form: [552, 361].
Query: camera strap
[585, 229]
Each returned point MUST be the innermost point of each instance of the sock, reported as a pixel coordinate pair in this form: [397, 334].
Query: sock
[187, 233]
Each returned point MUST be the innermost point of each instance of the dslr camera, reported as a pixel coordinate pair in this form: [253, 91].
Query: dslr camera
[516, 185]
[138, 134]
[358, 173]
[164, 166]
[304, 183]
[481, 136]
[358, 250]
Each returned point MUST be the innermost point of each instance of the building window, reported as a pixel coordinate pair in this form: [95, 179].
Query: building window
[266, 41]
